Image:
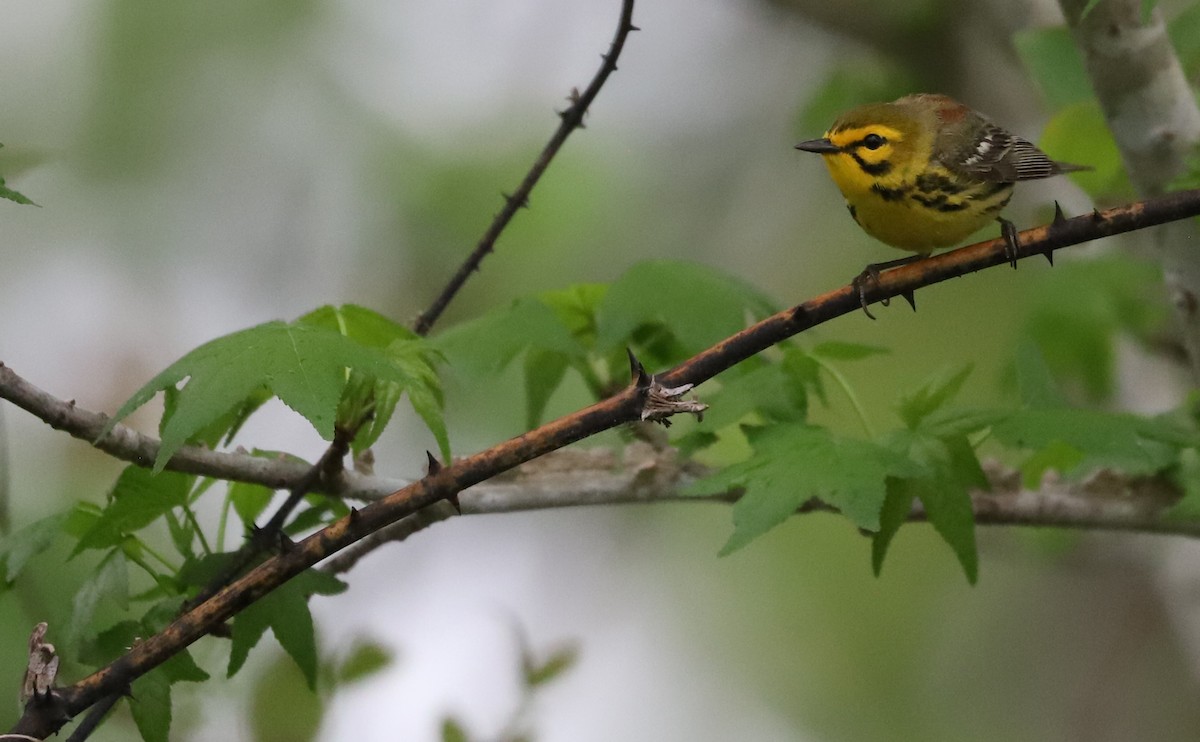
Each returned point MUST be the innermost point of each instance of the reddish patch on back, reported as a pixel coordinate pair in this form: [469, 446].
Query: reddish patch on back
[949, 111]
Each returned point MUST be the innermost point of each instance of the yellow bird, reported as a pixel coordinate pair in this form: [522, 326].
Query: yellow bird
[925, 172]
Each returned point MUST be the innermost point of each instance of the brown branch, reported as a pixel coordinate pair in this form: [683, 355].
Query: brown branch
[43, 719]
[571, 119]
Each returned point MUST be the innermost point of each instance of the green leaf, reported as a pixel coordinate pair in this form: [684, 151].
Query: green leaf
[22, 545]
[364, 660]
[1187, 476]
[539, 673]
[794, 463]
[285, 612]
[954, 422]
[1184, 31]
[544, 371]
[1127, 443]
[110, 581]
[1080, 135]
[576, 308]
[487, 345]
[897, 506]
[694, 305]
[412, 355]
[452, 730]
[951, 471]
[11, 195]
[138, 498]
[249, 500]
[1055, 64]
[1034, 381]
[303, 365]
[927, 399]
[150, 704]
[1078, 309]
[770, 391]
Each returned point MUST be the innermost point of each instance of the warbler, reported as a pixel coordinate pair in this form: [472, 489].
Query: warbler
[925, 172]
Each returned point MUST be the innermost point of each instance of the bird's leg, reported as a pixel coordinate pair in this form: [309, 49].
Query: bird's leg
[871, 273]
[1011, 245]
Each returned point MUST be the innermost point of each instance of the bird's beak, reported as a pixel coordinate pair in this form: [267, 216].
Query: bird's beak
[820, 146]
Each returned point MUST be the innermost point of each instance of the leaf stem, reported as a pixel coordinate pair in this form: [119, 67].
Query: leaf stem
[849, 392]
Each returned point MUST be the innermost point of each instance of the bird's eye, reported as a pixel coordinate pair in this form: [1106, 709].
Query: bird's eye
[873, 141]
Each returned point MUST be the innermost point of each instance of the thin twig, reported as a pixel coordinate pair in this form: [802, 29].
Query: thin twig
[571, 119]
[624, 407]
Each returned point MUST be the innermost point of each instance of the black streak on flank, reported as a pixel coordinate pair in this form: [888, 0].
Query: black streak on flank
[932, 183]
[939, 203]
[853, 212]
[889, 194]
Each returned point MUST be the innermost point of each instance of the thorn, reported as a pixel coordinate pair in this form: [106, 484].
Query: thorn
[1049, 256]
[633, 28]
[911, 298]
[353, 514]
[285, 543]
[640, 378]
[1097, 216]
[1059, 218]
[432, 465]
[453, 500]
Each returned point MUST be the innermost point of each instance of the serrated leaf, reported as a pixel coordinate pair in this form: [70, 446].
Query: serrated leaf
[305, 366]
[916, 405]
[109, 582]
[897, 506]
[25, 543]
[794, 463]
[364, 660]
[694, 304]
[1127, 443]
[138, 498]
[284, 611]
[408, 352]
[950, 470]
[150, 704]
[487, 345]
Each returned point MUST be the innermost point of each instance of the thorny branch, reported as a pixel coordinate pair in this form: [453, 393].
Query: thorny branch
[571, 119]
[47, 716]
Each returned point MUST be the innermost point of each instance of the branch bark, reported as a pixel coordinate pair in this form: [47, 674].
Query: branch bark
[44, 718]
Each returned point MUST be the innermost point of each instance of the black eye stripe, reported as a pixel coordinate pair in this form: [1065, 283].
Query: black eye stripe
[870, 141]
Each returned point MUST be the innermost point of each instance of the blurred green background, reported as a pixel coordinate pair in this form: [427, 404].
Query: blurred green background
[205, 167]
